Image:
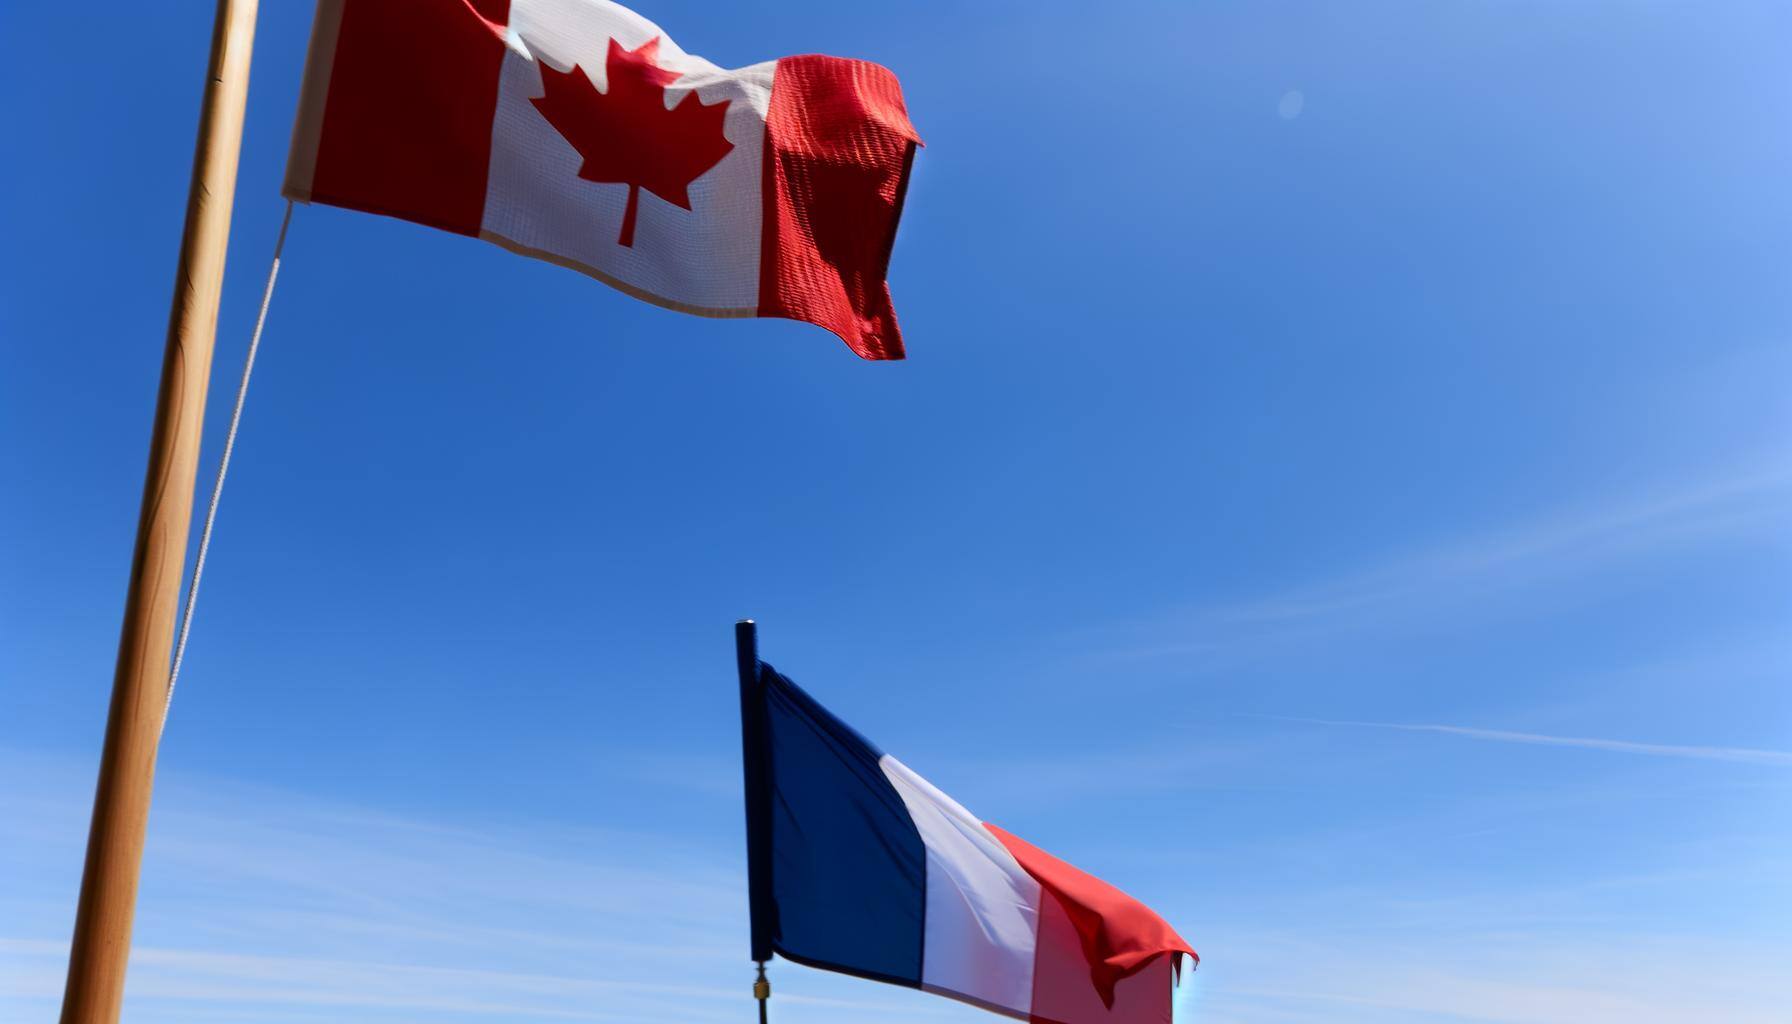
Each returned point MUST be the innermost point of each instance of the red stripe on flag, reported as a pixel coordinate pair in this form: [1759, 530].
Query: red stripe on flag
[838, 146]
[1100, 954]
[1063, 992]
[407, 127]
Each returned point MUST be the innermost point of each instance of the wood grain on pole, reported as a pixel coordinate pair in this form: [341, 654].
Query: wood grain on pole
[102, 938]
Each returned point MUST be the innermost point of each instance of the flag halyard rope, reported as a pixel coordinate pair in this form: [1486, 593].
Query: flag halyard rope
[211, 510]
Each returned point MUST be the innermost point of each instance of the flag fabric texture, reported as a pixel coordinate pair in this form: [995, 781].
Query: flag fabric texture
[857, 864]
[576, 131]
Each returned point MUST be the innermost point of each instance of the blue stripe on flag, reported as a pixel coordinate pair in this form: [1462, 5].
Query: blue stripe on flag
[848, 868]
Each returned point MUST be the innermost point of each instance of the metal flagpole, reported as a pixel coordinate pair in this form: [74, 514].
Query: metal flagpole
[752, 749]
[102, 936]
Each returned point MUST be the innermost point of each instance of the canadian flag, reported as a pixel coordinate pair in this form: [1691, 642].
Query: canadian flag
[576, 131]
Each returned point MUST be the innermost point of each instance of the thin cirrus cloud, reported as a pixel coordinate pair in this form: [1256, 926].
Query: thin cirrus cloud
[267, 907]
[1738, 755]
[193, 981]
[264, 905]
[1741, 503]
[1504, 976]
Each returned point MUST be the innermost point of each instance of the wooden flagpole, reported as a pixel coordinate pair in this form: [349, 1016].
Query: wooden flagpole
[102, 939]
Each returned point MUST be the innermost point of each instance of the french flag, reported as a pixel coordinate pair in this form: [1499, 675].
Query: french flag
[858, 865]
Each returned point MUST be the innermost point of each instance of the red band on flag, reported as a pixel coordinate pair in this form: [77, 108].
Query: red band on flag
[1093, 939]
[838, 147]
[407, 127]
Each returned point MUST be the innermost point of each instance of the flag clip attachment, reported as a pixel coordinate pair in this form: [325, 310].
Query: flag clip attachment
[762, 991]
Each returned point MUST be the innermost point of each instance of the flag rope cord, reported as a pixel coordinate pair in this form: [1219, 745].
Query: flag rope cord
[211, 509]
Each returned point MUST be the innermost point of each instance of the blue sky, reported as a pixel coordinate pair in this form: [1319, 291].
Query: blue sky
[1338, 493]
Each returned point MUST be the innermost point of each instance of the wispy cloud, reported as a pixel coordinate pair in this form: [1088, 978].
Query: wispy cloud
[1499, 978]
[1740, 755]
[203, 976]
[262, 905]
[1550, 546]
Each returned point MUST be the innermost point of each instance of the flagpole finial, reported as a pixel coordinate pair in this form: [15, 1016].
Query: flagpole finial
[746, 644]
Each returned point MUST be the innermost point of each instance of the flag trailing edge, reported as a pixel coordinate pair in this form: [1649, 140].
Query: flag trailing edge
[857, 864]
[578, 132]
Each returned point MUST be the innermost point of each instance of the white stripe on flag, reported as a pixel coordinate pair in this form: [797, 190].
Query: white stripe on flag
[982, 907]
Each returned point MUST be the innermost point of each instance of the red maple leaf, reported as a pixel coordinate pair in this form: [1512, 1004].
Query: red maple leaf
[627, 135]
